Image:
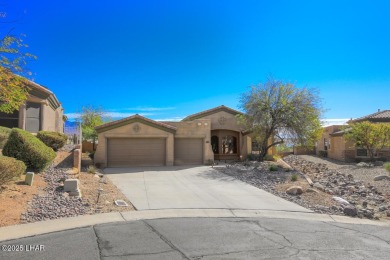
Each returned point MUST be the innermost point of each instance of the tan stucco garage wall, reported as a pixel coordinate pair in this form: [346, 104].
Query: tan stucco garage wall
[199, 128]
[133, 130]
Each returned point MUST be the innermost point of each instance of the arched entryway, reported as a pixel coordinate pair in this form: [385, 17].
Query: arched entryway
[225, 144]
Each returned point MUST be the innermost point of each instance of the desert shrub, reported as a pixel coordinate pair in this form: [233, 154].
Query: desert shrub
[387, 166]
[33, 152]
[4, 133]
[253, 157]
[210, 162]
[277, 157]
[10, 168]
[91, 169]
[323, 153]
[52, 139]
[273, 168]
[294, 177]
[269, 157]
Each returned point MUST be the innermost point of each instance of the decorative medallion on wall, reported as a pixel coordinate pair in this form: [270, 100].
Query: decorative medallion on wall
[136, 128]
[222, 120]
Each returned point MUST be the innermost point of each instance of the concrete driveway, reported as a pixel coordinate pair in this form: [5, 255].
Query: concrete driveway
[199, 187]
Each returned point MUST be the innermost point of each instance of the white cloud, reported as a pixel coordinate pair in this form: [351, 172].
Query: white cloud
[72, 116]
[334, 121]
[171, 119]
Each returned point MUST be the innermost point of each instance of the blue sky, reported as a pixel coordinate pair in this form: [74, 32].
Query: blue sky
[169, 59]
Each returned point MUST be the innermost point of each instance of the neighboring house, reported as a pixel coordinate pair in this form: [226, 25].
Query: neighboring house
[333, 143]
[42, 111]
[200, 138]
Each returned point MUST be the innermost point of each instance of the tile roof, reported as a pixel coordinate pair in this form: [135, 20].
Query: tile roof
[341, 132]
[380, 116]
[123, 121]
[211, 111]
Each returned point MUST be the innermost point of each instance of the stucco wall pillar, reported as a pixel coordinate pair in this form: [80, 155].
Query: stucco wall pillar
[42, 116]
[22, 117]
[169, 150]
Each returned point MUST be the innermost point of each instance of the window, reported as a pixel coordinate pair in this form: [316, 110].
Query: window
[326, 145]
[255, 146]
[229, 145]
[361, 152]
[215, 144]
[9, 120]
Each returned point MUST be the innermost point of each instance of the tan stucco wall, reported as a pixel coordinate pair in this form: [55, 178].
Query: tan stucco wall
[326, 135]
[51, 120]
[145, 131]
[199, 128]
[337, 148]
[227, 121]
[223, 120]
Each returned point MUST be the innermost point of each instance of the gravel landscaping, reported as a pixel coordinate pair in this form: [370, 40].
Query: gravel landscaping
[54, 202]
[337, 188]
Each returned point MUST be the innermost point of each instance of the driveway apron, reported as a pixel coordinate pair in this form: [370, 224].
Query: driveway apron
[200, 187]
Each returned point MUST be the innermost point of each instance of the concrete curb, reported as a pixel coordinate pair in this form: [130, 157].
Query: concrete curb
[49, 226]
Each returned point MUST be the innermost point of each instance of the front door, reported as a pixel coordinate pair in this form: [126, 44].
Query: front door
[224, 144]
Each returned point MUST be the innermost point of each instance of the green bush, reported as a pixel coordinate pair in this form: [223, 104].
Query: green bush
[294, 177]
[253, 157]
[269, 157]
[52, 139]
[4, 133]
[273, 168]
[387, 166]
[323, 153]
[10, 168]
[33, 152]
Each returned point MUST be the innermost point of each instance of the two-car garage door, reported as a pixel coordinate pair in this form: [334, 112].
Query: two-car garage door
[123, 152]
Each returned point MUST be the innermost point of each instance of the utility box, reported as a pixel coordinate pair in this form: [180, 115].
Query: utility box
[29, 178]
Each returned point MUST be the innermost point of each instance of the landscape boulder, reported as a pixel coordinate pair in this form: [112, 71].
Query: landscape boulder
[294, 190]
[350, 211]
[311, 190]
[381, 177]
[378, 163]
[319, 186]
[340, 200]
[363, 164]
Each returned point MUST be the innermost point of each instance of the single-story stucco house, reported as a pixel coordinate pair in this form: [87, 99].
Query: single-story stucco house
[41, 111]
[201, 138]
[333, 144]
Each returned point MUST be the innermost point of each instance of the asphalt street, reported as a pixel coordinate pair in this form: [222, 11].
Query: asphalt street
[207, 238]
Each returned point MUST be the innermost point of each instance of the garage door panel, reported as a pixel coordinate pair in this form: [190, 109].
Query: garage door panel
[122, 152]
[188, 151]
